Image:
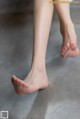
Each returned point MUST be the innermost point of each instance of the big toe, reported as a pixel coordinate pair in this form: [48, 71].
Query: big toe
[19, 85]
[15, 81]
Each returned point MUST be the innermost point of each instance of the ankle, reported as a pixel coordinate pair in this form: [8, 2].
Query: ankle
[39, 68]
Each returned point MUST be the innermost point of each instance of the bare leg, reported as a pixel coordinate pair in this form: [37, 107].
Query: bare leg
[69, 46]
[37, 77]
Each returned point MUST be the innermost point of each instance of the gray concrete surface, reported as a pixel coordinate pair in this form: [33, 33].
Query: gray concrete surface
[61, 100]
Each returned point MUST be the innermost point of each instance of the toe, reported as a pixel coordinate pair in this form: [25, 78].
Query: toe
[65, 48]
[17, 81]
[68, 46]
[19, 93]
[19, 85]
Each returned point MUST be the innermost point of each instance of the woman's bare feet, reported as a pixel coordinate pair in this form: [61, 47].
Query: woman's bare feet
[69, 46]
[36, 79]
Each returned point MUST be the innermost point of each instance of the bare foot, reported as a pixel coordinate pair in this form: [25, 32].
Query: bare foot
[34, 81]
[69, 46]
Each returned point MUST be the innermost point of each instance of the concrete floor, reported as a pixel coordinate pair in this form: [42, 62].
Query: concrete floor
[61, 100]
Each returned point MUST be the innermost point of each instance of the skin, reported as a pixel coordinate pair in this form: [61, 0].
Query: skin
[69, 46]
[37, 77]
